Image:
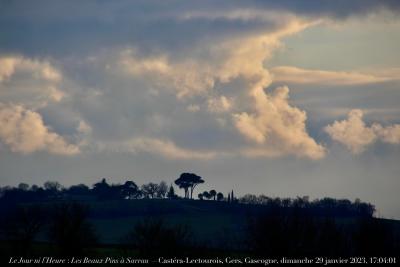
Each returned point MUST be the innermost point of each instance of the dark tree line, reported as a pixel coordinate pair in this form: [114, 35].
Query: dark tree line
[212, 194]
[101, 191]
[325, 206]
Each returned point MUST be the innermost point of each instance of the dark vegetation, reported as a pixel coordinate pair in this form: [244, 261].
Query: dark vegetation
[152, 221]
[154, 238]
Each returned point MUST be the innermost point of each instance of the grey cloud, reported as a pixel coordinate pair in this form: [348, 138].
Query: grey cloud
[59, 27]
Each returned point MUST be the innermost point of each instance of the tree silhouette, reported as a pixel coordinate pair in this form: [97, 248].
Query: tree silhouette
[79, 189]
[162, 189]
[220, 196]
[154, 238]
[149, 190]
[23, 186]
[171, 192]
[188, 181]
[130, 190]
[105, 191]
[207, 195]
[22, 226]
[52, 188]
[69, 229]
[213, 193]
[101, 189]
[200, 196]
[34, 188]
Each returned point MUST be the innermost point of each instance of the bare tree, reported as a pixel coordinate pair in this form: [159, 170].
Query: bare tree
[162, 189]
[149, 190]
[23, 225]
[70, 230]
[154, 237]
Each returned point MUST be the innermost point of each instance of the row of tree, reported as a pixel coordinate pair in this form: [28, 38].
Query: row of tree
[101, 190]
[324, 206]
[212, 194]
[129, 190]
[187, 181]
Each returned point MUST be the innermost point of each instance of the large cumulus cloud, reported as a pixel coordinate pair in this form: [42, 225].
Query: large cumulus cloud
[27, 85]
[24, 131]
[31, 82]
[277, 127]
[281, 125]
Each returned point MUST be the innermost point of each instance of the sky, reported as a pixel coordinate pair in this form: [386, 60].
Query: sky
[283, 98]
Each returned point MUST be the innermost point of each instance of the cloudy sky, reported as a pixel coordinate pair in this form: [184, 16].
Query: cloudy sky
[286, 98]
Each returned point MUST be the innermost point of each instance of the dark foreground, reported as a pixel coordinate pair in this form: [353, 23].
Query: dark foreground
[189, 231]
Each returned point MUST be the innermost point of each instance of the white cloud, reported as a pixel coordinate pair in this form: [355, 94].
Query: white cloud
[187, 78]
[24, 131]
[276, 127]
[29, 82]
[356, 135]
[235, 63]
[168, 149]
[288, 74]
[25, 86]
[274, 123]
[353, 132]
[221, 61]
[389, 134]
[7, 67]
[84, 128]
[160, 147]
